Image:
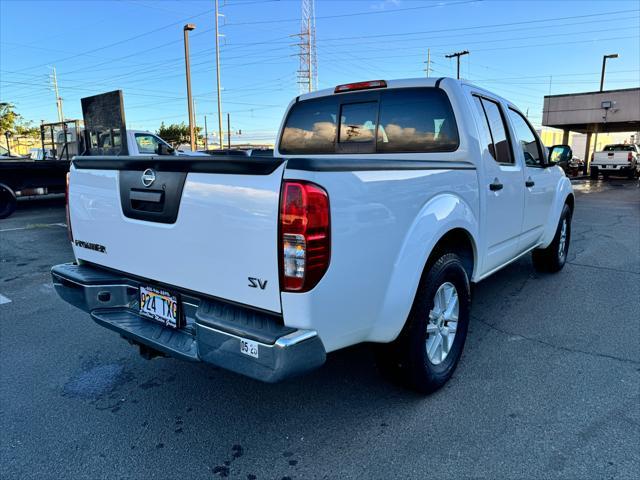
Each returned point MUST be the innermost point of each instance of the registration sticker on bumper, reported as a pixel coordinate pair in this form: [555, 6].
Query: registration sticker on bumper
[249, 348]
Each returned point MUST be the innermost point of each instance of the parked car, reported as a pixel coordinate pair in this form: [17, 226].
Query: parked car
[570, 165]
[382, 203]
[622, 159]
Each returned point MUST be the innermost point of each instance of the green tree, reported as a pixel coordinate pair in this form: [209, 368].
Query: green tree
[8, 118]
[11, 121]
[28, 130]
[177, 134]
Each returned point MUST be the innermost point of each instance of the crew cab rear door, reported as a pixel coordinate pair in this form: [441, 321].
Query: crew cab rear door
[541, 179]
[501, 184]
[196, 223]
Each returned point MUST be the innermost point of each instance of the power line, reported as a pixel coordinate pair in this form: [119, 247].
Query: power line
[120, 42]
[356, 14]
[474, 27]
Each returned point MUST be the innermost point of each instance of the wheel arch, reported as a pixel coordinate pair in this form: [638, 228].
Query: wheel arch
[445, 224]
[457, 240]
[571, 201]
[564, 196]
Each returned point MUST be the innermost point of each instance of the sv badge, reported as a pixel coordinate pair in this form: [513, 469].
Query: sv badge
[257, 283]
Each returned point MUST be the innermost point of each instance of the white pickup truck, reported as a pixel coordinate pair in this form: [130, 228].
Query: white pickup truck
[383, 202]
[143, 143]
[621, 159]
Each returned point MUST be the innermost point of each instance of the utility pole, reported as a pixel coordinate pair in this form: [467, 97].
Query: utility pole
[206, 134]
[218, 77]
[58, 98]
[228, 130]
[187, 28]
[428, 62]
[458, 55]
[195, 123]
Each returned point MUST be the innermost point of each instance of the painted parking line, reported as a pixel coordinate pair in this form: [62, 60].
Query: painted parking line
[4, 299]
[35, 225]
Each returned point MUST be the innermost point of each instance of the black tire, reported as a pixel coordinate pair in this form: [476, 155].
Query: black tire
[553, 258]
[8, 201]
[594, 173]
[406, 358]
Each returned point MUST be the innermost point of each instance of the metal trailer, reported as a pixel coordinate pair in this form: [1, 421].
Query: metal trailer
[23, 176]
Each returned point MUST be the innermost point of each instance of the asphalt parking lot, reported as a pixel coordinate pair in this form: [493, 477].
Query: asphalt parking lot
[548, 386]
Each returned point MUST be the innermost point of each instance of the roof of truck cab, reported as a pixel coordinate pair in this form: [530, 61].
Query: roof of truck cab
[408, 83]
[398, 83]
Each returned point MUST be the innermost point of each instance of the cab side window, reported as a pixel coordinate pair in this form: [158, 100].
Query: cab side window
[146, 143]
[494, 122]
[527, 140]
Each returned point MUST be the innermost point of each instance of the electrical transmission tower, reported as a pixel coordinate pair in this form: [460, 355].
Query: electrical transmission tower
[308, 69]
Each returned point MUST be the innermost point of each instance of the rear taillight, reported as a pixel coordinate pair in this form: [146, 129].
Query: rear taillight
[66, 207]
[305, 241]
[629, 157]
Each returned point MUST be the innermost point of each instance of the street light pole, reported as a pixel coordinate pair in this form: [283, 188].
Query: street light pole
[587, 161]
[187, 28]
[604, 65]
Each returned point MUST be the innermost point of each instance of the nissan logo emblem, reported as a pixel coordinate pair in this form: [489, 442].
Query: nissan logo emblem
[148, 177]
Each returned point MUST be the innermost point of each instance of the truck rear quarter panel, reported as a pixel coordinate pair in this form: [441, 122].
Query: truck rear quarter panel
[383, 227]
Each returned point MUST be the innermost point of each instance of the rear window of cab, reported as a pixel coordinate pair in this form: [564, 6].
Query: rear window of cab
[407, 120]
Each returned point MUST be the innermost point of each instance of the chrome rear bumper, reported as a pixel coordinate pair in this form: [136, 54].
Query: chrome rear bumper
[212, 331]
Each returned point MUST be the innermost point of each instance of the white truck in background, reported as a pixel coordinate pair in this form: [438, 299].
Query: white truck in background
[144, 143]
[620, 158]
[382, 203]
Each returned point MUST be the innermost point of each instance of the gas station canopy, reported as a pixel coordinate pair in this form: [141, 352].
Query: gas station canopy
[607, 111]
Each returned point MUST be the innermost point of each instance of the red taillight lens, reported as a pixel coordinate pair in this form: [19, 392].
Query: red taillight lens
[349, 87]
[629, 157]
[305, 241]
[66, 206]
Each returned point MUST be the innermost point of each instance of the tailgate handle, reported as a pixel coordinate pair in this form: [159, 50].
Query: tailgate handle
[146, 196]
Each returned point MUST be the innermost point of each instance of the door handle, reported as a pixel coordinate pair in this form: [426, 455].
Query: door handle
[496, 185]
[529, 183]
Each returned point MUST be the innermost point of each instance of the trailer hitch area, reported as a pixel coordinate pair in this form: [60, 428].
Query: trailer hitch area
[145, 351]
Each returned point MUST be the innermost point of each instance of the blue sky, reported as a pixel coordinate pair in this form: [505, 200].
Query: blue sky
[522, 50]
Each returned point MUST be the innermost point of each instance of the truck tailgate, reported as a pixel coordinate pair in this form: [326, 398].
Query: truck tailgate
[201, 225]
[610, 158]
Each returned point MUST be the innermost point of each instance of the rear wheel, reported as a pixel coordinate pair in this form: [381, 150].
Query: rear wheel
[594, 172]
[428, 349]
[553, 258]
[8, 201]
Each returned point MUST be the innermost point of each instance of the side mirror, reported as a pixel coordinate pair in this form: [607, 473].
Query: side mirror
[560, 153]
[164, 149]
